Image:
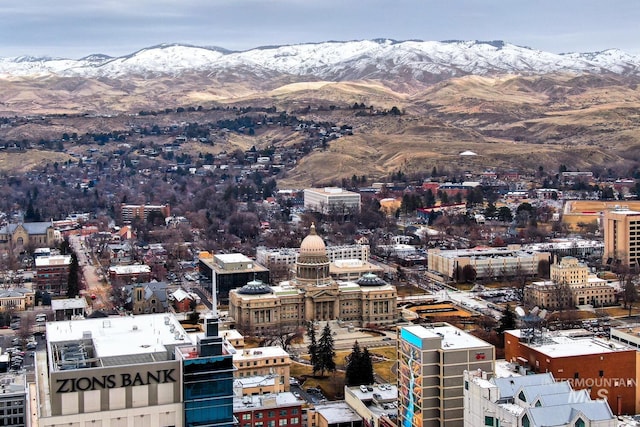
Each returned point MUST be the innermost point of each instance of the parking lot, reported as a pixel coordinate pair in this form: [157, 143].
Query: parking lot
[310, 394]
[18, 354]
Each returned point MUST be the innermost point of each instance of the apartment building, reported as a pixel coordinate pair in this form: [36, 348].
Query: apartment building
[130, 212]
[52, 273]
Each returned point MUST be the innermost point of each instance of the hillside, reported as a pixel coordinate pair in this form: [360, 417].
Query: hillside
[515, 107]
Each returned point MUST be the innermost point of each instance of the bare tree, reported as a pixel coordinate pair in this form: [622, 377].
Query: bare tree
[278, 272]
[562, 295]
[520, 276]
[283, 335]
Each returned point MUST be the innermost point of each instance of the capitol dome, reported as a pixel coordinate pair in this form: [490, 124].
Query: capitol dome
[370, 279]
[255, 287]
[313, 245]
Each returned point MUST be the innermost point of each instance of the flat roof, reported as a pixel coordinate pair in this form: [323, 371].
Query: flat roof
[229, 258]
[337, 412]
[45, 261]
[247, 403]
[130, 269]
[452, 337]
[623, 211]
[331, 191]
[482, 251]
[120, 336]
[259, 352]
[231, 334]
[561, 344]
[68, 303]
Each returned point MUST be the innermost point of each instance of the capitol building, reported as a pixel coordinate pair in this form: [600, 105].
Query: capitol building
[312, 295]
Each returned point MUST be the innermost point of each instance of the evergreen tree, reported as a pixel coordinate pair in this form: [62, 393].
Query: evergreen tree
[73, 288]
[325, 351]
[313, 348]
[366, 368]
[508, 320]
[352, 373]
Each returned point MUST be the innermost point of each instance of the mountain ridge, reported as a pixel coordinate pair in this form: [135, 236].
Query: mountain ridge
[425, 61]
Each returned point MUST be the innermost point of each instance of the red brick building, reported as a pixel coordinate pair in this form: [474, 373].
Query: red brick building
[125, 274]
[268, 410]
[52, 273]
[607, 369]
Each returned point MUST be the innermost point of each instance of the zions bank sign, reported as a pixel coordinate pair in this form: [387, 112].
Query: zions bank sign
[71, 385]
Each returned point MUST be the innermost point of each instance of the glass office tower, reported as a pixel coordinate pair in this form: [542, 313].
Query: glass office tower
[208, 381]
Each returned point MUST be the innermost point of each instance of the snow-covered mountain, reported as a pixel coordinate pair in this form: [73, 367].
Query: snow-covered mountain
[374, 59]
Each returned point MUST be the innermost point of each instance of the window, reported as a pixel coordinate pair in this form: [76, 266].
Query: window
[258, 415]
[601, 373]
[522, 397]
[525, 421]
[272, 414]
[282, 422]
[246, 416]
[488, 421]
[579, 423]
[576, 376]
[466, 385]
[283, 412]
[295, 420]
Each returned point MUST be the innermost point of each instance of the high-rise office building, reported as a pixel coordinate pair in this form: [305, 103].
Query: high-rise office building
[621, 228]
[432, 361]
[142, 371]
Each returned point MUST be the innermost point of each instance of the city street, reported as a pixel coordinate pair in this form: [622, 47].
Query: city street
[93, 285]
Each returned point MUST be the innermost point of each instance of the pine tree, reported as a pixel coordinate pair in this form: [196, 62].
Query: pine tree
[73, 288]
[353, 366]
[508, 320]
[366, 368]
[313, 348]
[326, 351]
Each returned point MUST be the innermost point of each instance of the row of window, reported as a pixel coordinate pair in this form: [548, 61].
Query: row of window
[270, 414]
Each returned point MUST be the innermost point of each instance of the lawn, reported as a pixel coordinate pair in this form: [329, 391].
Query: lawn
[332, 384]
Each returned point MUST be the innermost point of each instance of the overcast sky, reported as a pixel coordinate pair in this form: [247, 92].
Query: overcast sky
[76, 28]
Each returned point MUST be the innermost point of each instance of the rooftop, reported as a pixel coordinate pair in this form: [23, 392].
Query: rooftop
[483, 252]
[68, 303]
[117, 341]
[562, 344]
[248, 403]
[452, 337]
[259, 352]
[337, 412]
[330, 191]
[233, 258]
[130, 269]
[57, 260]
